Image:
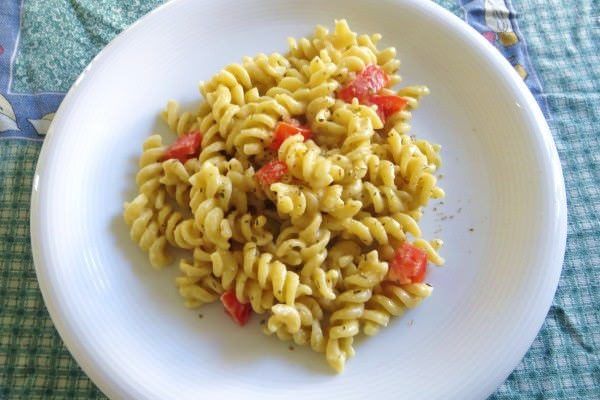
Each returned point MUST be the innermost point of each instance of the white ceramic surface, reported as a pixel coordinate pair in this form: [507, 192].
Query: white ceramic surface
[124, 322]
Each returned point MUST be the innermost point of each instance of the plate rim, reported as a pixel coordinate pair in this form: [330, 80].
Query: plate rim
[112, 389]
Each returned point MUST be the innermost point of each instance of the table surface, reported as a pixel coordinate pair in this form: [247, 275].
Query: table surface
[553, 44]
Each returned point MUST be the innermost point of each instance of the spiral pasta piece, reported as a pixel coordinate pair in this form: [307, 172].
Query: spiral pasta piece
[284, 316]
[344, 326]
[224, 109]
[254, 130]
[265, 71]
[145, 230]
[332, 202]
[226, 268]
[197, 285]
[168, 219]
[290, 200]
[302, 203]
[249, 228]
[385, 199]
[209, 200]
[180, 123]
[313, 272]
[186, 235]
[381, 229]
[414, 169]
[342, 256]
[175, 178]
[285, 284]
[305, 162]
[393, 301]
[300, 323]
[289, 245]
[308, 48]
[248, 290]
[291, 93]
[235, 77]
[344, 322]
[150, 173]
[431, 249]
[381, 172]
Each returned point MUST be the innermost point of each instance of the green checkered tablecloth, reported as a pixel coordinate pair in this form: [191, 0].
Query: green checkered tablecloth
[45, 44]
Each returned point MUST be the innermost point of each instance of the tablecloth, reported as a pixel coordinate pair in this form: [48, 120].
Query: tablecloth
[553, 44]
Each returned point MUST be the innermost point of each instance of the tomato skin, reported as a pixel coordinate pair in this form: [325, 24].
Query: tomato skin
[286, 129]
[184, 148]
[239, 312]
[387, 105]
[271, 172]
[369, 81]
[409, 265]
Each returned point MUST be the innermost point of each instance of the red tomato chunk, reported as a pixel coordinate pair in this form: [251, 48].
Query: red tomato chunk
[409, 265]
[272, 172]
[239, 312]
[286, 129]
[185, 147]
[369, 81]
[387, 105]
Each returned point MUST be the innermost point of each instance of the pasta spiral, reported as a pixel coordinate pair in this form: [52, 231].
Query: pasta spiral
[305, 162]
[224, 108]
[197, 286]
[145, 230]
[392, 302]
[254, 130]
[384, 199]
[313, 258]
[300, 323]
[380, 229]
[285, 284]
[175, 177]
[291, 93]
[247, 228]
[150, 173]
[414, 168]
[210, 196]
[344, 323]
[180, 123]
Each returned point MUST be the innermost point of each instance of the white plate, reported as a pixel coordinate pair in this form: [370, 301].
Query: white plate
[124, 322]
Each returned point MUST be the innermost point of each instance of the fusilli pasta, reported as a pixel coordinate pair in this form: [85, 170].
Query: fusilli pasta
[296, 188]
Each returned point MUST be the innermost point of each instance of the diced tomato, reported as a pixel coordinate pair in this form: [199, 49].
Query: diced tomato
[369, 81]
[284, 130]
[271, 172]
[387, 105]
[239, 312]
[409, 265]
[185, 147]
